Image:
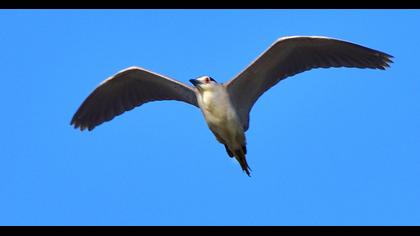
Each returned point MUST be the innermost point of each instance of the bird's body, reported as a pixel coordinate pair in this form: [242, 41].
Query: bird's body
[222, 119]
[226, 106]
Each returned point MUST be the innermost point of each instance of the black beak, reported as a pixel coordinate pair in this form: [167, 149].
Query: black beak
[194, 82]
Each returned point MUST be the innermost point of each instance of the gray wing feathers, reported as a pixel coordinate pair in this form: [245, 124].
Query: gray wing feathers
[291, 55]
[127, 89]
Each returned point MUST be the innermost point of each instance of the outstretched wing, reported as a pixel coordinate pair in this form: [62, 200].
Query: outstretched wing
[127, 89]
[291, 55]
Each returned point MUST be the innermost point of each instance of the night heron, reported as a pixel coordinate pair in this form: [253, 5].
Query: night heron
[225, 106]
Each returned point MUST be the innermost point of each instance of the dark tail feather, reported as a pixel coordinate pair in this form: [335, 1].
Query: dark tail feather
[228, 151]
[240, 156]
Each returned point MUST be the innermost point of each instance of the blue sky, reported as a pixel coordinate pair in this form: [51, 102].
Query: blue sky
[327, 147]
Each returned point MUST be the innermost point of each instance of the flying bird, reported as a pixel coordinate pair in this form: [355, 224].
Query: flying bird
[225, 106]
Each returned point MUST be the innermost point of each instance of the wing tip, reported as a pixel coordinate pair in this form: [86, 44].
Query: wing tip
[386, 60]
[78, 124]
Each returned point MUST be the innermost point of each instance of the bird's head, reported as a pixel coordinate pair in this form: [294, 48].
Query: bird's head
[203, 83]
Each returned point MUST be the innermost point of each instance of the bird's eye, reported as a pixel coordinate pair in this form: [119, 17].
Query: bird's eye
[207, 80]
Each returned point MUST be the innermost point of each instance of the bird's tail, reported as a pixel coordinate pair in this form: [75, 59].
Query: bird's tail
[240, 156]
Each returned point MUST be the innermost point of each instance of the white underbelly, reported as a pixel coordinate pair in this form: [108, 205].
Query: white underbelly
[222, 121]
[221, 116]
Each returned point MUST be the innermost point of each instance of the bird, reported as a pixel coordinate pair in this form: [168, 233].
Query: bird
[225, 106]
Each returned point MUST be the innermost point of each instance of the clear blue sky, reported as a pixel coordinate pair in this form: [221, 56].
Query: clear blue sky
[327, 147]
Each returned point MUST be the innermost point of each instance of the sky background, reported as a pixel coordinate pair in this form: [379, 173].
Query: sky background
[326, 147]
